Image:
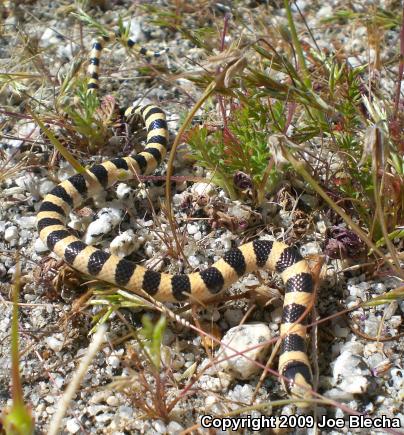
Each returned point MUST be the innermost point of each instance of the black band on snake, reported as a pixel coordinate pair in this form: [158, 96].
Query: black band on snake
[274, 256]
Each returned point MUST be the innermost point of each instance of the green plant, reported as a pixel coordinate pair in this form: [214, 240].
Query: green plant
[91, 120]
[304, 97]
[152, 335]
[238, 155]
[18, 419]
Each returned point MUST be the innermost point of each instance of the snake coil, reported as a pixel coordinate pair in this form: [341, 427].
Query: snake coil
[274, 256]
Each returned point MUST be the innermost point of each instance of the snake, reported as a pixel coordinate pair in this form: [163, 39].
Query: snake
[274, 256]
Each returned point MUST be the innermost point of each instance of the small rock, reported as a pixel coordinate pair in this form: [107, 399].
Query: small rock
[159, 426]
[192, 229]
[226, 240]
[354, 384]
[174, 428]
[322, 227]
[233, 316]
[372, 325]
[337, 394]
[239, 212]
[50, 409]
[104, 417]
[285, 218]
[123, 191]
[27, 222]
[40, 247]
[203, 189]
[193, 261]
[113, 361]
[241, 338]
[325, 11]
[54, 343]
[395, 321]
[357, 290]
[11, 233]
[29, 298]
[312, 248]
[213, 383]
[378, 287]
[107, 220]
[112, 401]
[276, 315]
[339, 328]
[346, 365]
[72, 426]
[125, 411]
[124, 244]
[49, 399]
[59, 381]
[242, 393]
[45, 187]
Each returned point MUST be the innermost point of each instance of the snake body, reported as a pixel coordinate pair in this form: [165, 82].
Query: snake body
[271, 255]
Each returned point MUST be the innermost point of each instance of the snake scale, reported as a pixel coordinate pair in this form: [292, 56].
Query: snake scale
[271, 255]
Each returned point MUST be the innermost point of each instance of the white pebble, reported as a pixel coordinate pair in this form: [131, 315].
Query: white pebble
[27, 222]
[29, 183]
[39, 246]
[193, 261]
[103, 418]
[29, 298]
[54, 343]
[241, 393]
[123, 191]
[108, 219]
[112, 401]
[159, 426]
[226, 240]
[337, 394]
[239, 212]
[311, 248]
[13, 191]
[276, 315]
[203, 189]
[395, 321]
[197, 236]
[354, 384]
[192, 229]
[346, 365]
[124, 244]
[322, 227]
[96, 230]
[11, 233]
[98, 397]
[125, 411]
[59, 381]
[241, 338]
[113, 361]
[49, 399]
[174, 428]
[72, 426]
[324, 12]
[378, 287]
[45, 187]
